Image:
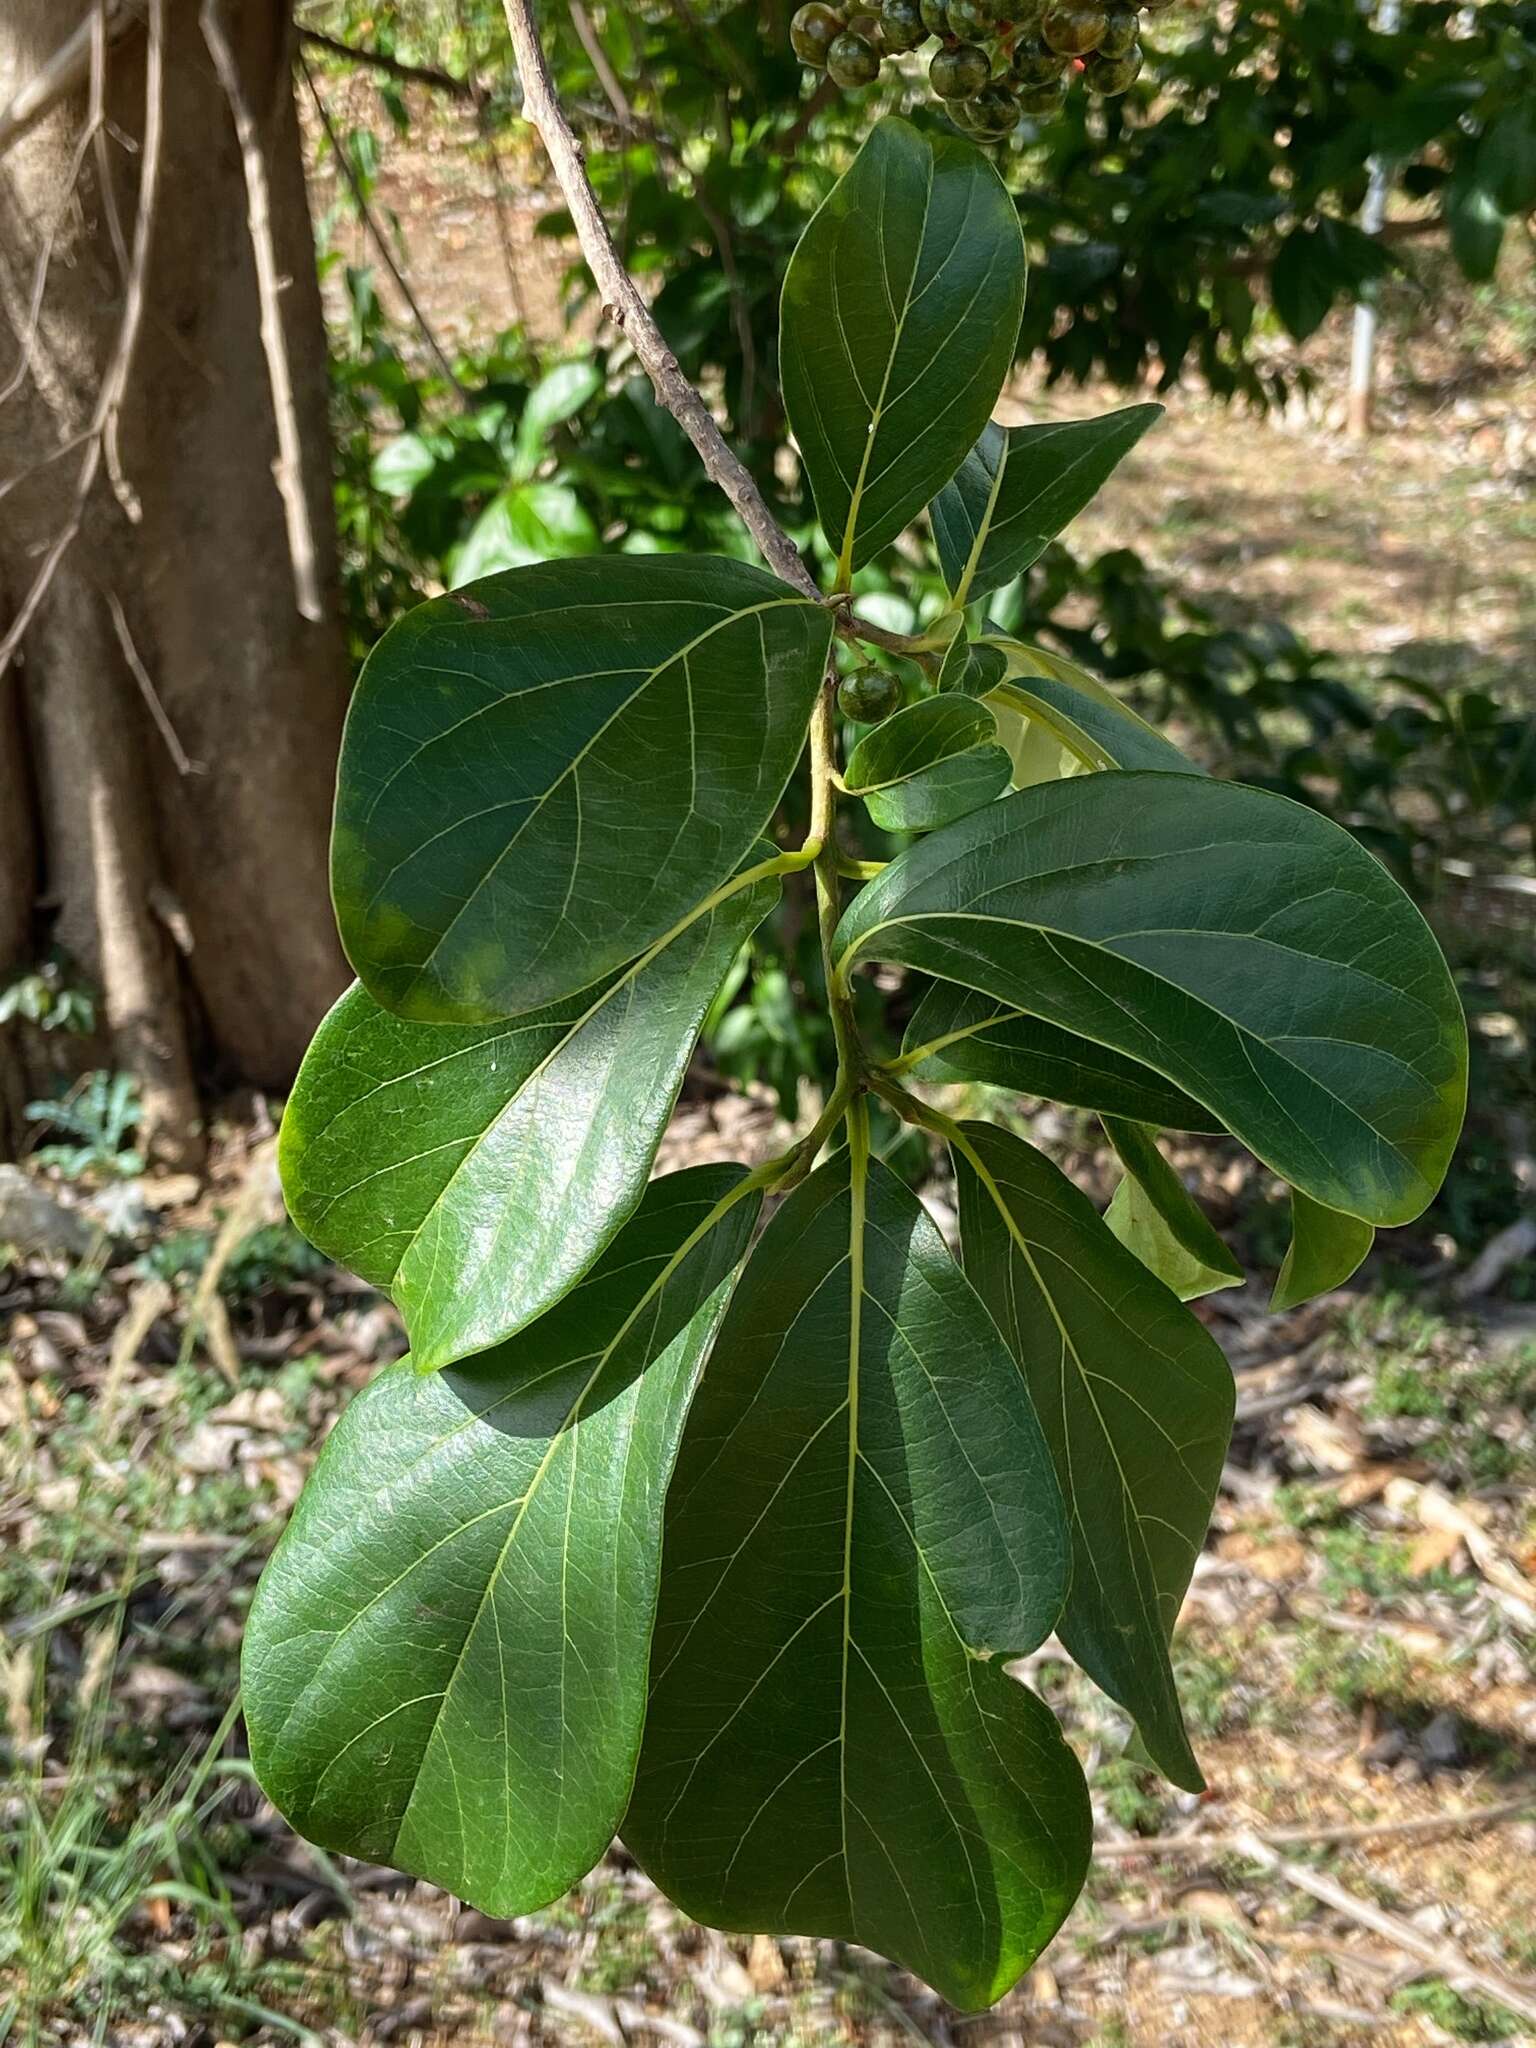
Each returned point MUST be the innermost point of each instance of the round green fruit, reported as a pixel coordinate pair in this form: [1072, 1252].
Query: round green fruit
[1074, 27]
[1035, 65]
[868, 695]
[1119, 37]
[972, 20]
[959, 73]
[935, 16]
[901, 24]
[813, 31]
[861, 22]
[1113, 75]
[1026, 16]
[994, 111]
[1043, 102]
[852, 61]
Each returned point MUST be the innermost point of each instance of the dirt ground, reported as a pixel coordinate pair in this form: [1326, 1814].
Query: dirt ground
[1356, 1652]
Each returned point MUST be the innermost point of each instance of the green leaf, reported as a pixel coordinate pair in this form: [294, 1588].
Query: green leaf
[1035, 752]
[524, 524]
[1325, 1250]
[1475, 221]
[1019, 487]
[957, 654]
[562, 391]
[1083, 713]
[928, 764]
[1301, 283]
[477, 1170]
[1154, 1215]
[939, 794]
[1237, 943]
[957, 1035]
[901, 308]
[1136, 1402]
[543, 774]
[931, 730]
[863, 1524]
[444, 1666]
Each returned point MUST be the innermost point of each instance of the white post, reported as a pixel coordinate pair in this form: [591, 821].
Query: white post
[1362, 355]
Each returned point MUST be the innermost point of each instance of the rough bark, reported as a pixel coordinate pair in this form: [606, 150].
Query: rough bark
[196, 901]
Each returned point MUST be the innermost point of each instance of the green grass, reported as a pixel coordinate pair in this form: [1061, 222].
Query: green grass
[1469, 2019]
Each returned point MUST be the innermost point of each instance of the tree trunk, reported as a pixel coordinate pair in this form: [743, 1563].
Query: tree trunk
[195, 899]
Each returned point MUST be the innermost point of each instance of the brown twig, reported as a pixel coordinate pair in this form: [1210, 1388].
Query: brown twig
[101, 435]
[375, 233]
[56, 78]
[182, 761]
[288, 469]
[1443, 1957]
[96, 121]
[628, 310]
[597, 57]
[1367, 1831]
[408, 74]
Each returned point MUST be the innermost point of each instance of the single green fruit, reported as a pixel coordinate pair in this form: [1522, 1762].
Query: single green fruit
[868, 695]
[972, 20]
[1074, 27]
[1119, 37]
[866, 23]
[901, 24]
[1025, 16]
[1035, 65]
[813, 31]
[958, 73]
[852, 61]
[994, 111]
[935, 16]
[1043, 101]
[1112, 75]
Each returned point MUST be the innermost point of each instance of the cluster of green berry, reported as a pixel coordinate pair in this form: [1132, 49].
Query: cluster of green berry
[997, 59]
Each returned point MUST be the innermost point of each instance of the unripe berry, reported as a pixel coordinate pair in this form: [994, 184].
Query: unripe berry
[1113, 75]
[868, 695]
[852, 61]
[935, 16]
[1074, 27]
[813, 31]
[1035, 65]
[1119, 37]
[994, 111]
[901, 25]
[972, 20]
[957, 74]
[1043, 102]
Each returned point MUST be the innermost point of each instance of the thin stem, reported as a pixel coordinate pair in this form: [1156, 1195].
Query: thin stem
[824, 779]
[629, 312]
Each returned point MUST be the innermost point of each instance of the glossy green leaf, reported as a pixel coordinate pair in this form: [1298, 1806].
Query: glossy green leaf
[957, 1035]
[1017, 489]
[444, 1666]
[863, 1524]
[931, 730]
[1155, 1216]
[477, 1170]
[1326, 1249]
[1082, 713]
[543, 774]
[1237, 943]
[1035, 752]
[559, 393]
[956, 655]
[526, 523]
[1136, 1402]
[937, 795]
[901, 309]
